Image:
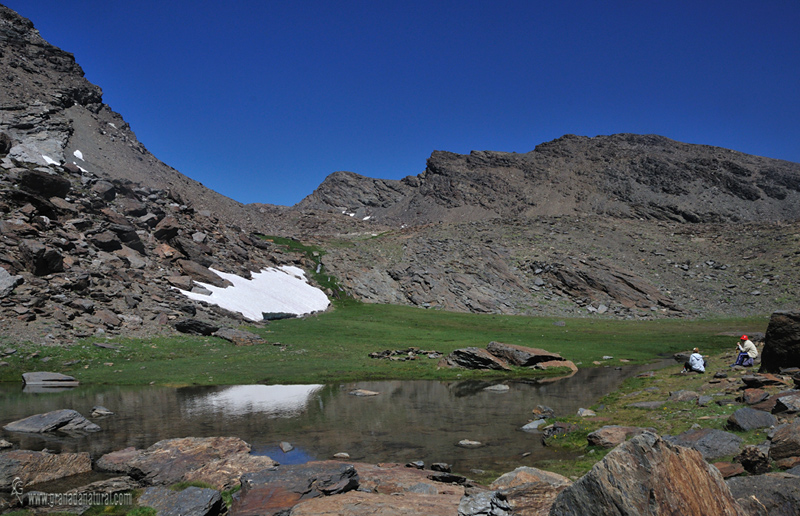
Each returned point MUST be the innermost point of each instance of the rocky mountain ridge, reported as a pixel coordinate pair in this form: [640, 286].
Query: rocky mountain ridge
[622, 176]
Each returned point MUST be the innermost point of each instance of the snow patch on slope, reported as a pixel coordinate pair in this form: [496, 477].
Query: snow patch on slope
[283, 289]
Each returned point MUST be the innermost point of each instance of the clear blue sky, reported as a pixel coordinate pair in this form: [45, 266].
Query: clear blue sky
[260, 100]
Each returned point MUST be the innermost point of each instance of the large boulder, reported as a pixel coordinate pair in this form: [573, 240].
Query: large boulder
[40, 259]
[34, 467]
[710, 443]
[782, 342]
[275, 491]
[648, 475]
[473, 358]
[44, 184]
[394, 478]
[65, 420]
[520, 355]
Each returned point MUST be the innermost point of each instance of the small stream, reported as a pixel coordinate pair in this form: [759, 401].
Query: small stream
[407, 421]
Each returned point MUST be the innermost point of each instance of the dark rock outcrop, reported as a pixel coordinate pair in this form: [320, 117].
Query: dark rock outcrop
[520, 355]
[781, 342]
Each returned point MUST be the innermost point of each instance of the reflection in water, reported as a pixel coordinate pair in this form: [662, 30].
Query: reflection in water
[238, 400]
[409, 420]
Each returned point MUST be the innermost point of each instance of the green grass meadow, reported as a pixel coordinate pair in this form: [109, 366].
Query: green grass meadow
[334, 347]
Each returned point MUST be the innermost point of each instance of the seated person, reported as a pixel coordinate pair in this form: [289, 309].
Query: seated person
[696, 363]
[747, 352]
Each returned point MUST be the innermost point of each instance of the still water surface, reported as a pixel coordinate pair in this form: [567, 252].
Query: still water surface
[407, 421]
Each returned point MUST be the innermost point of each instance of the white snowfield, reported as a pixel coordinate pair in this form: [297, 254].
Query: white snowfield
[283, 289]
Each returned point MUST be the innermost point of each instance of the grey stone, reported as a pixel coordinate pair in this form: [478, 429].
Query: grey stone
[8, 282]
[710, 443]
[65, 420]
[746, 419]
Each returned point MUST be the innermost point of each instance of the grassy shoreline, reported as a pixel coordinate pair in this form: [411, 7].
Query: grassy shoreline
[334, 347]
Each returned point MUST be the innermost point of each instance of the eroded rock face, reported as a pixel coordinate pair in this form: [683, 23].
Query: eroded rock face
[786, 441]
[782, 342]
[648, 475]
[771, 494]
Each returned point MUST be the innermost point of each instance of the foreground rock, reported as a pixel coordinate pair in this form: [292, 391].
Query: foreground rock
[782, 342]
[276, 491]
[218, 461]
[34, 467]
[66, 420]
[786, 442]
[648, 475]
[355, 503]
[192, 501]
[746, 419]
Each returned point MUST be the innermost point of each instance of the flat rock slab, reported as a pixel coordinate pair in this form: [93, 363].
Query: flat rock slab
[683, 395]
[746, 419]
[611, 436]
[549, 364]
[710, 443]
[648, 475]
[394, 478]
[45, 378]
[756, 381]
[192, 501]
[520, 355]
[224, 473]
[357, 503]
[753, 396]
[65, 420]
[34, 467]
[239, 337]
[729, 469]
[276, 491]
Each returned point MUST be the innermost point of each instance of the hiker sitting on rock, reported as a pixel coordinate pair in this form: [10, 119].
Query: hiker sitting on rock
[747, 352]
[696, 363]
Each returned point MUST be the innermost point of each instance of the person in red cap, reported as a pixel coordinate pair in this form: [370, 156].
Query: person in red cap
[747, 352]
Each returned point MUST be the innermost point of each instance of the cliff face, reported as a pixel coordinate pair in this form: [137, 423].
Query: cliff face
[622, 175]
